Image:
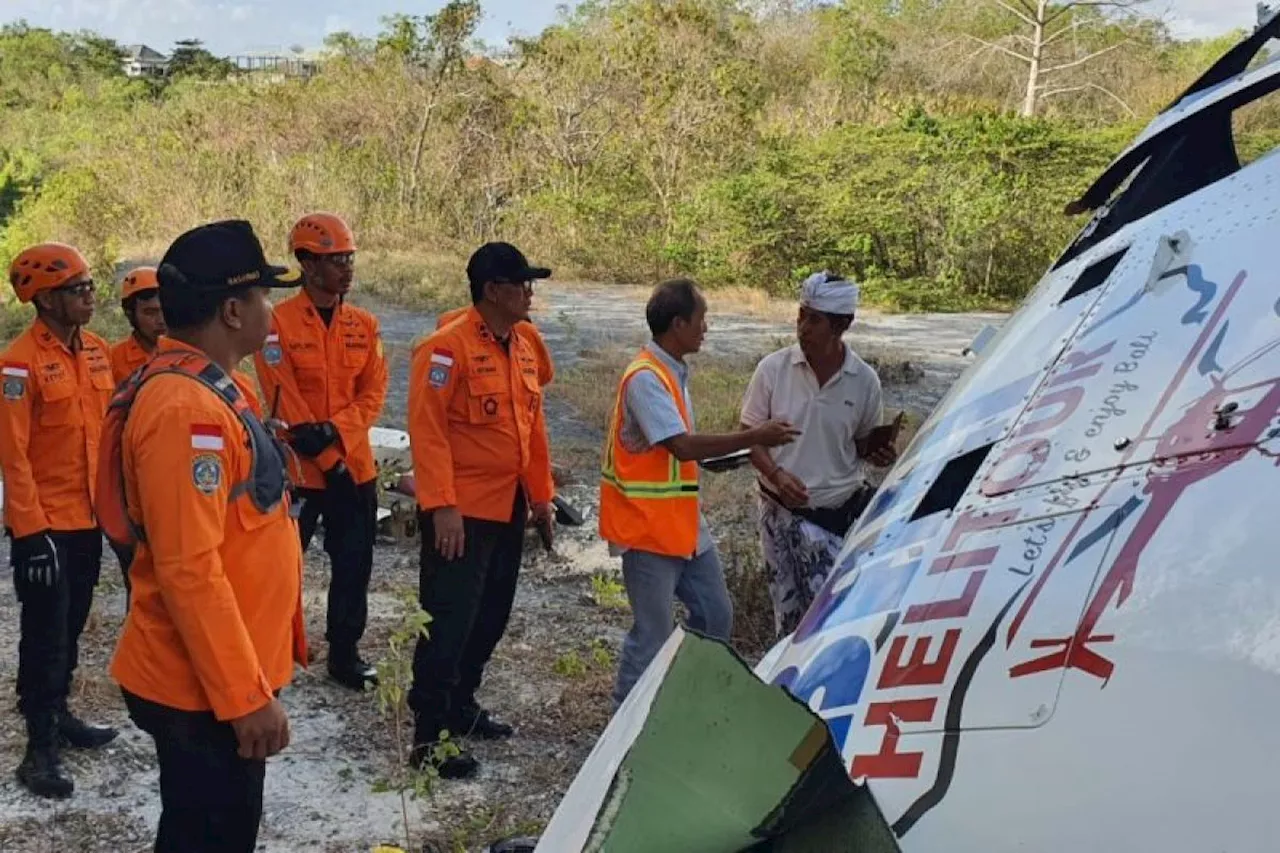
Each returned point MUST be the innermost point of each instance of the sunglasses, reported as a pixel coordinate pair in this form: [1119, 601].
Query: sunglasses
[527, 286]
[83, 288]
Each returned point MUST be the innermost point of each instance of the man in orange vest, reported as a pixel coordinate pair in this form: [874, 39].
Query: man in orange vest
[140, 299]
[481, 465]
[216, 623]
[649, 511]
[56, 381]
[324, 363]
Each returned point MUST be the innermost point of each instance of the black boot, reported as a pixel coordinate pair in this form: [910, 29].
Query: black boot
[41, 770]
[470, 720]
[426, 736]
[350, 670]
[76, 733]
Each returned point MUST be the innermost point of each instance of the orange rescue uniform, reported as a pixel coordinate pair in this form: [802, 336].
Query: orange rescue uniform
[54, 402]
[335, 373]
[476, 426]
[546, 366]
[215, 622]
[126, 357]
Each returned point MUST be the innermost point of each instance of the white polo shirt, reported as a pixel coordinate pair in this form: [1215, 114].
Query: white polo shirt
[784, 387]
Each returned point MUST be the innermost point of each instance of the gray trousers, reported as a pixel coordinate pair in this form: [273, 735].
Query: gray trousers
[654, 583]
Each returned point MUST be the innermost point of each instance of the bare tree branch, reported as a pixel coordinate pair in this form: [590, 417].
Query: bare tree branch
[1027, 18]
[994, 46]
[1067, 8]
[1067, 30]
[1082, 60]
[1090, 86]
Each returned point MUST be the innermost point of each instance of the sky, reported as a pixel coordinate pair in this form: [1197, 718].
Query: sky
[228, 27]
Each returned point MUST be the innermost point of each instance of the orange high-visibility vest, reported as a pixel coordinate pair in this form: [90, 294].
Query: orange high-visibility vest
[649, 500]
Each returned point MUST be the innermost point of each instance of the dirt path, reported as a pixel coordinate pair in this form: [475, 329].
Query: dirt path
[585, 318]
[550, 676]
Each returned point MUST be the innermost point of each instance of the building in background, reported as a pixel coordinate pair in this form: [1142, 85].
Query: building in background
[141, 61]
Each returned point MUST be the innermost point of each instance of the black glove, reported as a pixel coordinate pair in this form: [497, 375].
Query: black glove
[341, 486]
[35, 559]
[313, 439]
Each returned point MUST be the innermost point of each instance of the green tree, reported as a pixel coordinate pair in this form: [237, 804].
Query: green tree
[190, 59]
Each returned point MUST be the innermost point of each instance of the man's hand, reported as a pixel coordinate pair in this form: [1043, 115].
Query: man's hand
[262, 733]
[312, 439]
[790, 488]
[880, 446]
[341, 485]
[774, 433]
[450, 539]
[543, 515]
[883, 457]
[35, 559]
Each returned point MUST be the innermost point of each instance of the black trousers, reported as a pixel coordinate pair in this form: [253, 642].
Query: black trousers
[469, 600]
[349, 533]
[51, 621]
[210, 797]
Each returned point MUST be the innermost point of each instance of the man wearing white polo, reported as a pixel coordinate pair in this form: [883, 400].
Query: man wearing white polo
[811, 491]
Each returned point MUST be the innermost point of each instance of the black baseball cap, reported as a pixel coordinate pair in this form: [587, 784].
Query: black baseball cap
[504, 263]
[221, 256]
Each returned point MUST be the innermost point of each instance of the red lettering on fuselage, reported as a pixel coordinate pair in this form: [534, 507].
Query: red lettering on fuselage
[888, 763]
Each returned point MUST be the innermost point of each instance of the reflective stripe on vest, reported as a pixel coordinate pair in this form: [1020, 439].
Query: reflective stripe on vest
[648, 499]
[672, 486]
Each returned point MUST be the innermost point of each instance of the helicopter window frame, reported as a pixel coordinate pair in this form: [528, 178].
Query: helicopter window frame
[952, 483]
[1094, 276]
[1179, 160]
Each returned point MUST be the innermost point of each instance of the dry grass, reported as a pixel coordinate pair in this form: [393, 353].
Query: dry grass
[750, 302]
[413, 279]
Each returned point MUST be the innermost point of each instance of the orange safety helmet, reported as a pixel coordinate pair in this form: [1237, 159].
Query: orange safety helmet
[322, 234]
[45, 266]
[138, 281]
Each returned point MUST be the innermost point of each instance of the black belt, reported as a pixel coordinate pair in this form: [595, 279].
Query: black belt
[835, 519]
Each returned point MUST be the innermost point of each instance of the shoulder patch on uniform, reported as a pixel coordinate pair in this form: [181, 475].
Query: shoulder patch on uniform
[206, 473]
[15, 375]
[441, 366]
[272, 353]
[438, 376]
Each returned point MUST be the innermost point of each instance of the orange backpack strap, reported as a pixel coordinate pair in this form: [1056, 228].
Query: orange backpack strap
[265, 486]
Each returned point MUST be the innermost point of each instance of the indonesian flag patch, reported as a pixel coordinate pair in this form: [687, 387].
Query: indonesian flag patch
[441, 364]
[14, 375]
[206, 437]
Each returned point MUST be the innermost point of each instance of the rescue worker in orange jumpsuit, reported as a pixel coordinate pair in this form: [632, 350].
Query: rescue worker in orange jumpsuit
[546, 365]
[56, 381]
[324, 364]
[140, 299]
[216, 623]
[481, 466]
